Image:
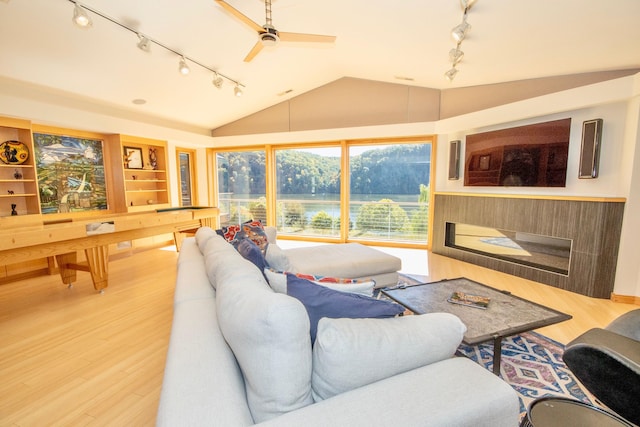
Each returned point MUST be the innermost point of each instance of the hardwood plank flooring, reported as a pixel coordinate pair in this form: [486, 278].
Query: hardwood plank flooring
[73, 357]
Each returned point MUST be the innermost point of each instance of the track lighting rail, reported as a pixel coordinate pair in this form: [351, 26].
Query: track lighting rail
[144, 43]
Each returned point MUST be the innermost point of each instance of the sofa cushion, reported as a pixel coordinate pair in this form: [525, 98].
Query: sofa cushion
[271, 233]
[320, 301]
[203, 234]
[277, 258]
[216, 252]
[278, 282]
[269, 335]
[342, 260]
[191, 281]
[202, 381]
[350, 353]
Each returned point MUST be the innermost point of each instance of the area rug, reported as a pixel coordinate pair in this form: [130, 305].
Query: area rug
[531, 363]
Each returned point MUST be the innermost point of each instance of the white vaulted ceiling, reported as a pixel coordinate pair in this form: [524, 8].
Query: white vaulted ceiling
[376, 40]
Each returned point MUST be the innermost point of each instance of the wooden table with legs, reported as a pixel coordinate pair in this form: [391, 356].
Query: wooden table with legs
[63, 239]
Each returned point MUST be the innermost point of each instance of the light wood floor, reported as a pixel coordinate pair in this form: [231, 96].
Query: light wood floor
[73, 357]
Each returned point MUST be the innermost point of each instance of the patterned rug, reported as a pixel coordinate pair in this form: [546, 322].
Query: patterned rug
[532, 364]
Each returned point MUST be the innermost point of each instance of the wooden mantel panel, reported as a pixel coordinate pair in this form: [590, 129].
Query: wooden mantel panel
[594, 226]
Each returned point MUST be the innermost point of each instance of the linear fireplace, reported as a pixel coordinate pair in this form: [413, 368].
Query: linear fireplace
[570, 243]
[534, 250]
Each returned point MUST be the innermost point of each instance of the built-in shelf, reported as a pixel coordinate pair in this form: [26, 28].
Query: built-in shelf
[18, 179]
[145, 188]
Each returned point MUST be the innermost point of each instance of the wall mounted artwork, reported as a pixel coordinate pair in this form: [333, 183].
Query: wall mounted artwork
[70, 173]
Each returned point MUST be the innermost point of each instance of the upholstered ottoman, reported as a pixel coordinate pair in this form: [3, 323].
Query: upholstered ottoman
[348, 260]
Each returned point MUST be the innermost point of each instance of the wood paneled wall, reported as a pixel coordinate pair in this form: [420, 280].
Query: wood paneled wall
[593, 225]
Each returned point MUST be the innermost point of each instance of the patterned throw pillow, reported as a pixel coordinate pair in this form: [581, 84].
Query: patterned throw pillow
[278, 282]
[229, 232]
[254, 230]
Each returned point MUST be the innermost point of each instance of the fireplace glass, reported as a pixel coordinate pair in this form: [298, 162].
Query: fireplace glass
[537, 251]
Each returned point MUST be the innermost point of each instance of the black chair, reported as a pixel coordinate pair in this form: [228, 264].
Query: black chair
[607, 362]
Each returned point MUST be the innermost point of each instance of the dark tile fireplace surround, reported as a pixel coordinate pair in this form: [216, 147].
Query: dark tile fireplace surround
[592, 226]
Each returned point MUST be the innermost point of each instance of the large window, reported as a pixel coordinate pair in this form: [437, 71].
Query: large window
[389, 192]
[308, 191]
[241, 186]
[376, 191]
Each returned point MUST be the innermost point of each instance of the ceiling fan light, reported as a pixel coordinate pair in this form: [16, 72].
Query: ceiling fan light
[144, 43]
[456, 55]
[183, 67]
[80, 17]
[269, 37]
[451, 74]
[237, 91]
[217, 81]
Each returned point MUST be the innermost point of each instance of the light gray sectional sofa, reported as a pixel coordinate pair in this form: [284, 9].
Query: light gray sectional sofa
[240, 354]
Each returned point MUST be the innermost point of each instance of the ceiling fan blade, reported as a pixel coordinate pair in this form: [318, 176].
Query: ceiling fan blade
[235, 12]
[254, 51]
[299, 37]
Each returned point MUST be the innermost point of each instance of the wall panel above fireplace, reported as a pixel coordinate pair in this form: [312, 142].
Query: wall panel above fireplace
[593, 225]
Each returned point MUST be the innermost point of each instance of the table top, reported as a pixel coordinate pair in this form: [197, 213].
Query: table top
[505, 315]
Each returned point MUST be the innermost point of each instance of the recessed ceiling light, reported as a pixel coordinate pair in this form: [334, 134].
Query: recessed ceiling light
[408, 79]
[139, 101]
[286, 92]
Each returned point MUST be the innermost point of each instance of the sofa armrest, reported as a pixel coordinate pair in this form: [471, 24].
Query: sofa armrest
[453, 392]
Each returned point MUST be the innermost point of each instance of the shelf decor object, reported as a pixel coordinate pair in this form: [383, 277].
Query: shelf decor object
[133, 158]
[13, 152]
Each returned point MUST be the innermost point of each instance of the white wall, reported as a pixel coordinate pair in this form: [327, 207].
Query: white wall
[614, 165]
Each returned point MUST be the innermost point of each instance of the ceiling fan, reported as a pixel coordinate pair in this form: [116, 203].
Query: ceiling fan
[267, 33]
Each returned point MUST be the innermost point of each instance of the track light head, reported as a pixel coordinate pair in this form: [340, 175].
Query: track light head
[144, 43]
[217, 81]
[451, 74]
[237, 91]
[456, 55]
[80, 17]
[459, 32]
[183, 67]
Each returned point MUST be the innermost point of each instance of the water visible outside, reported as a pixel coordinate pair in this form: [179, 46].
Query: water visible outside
[403, 219]
[388, 190]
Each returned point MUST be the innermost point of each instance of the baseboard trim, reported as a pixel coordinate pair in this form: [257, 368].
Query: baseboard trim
[625, 299]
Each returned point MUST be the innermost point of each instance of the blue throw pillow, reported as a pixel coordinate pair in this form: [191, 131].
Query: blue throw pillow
[321, 301]
[251, 251]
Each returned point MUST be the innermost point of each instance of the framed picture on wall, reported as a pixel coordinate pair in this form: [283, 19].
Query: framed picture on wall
[71, 173]
[133, 158]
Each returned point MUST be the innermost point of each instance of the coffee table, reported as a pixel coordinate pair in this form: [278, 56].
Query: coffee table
[505, 315]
